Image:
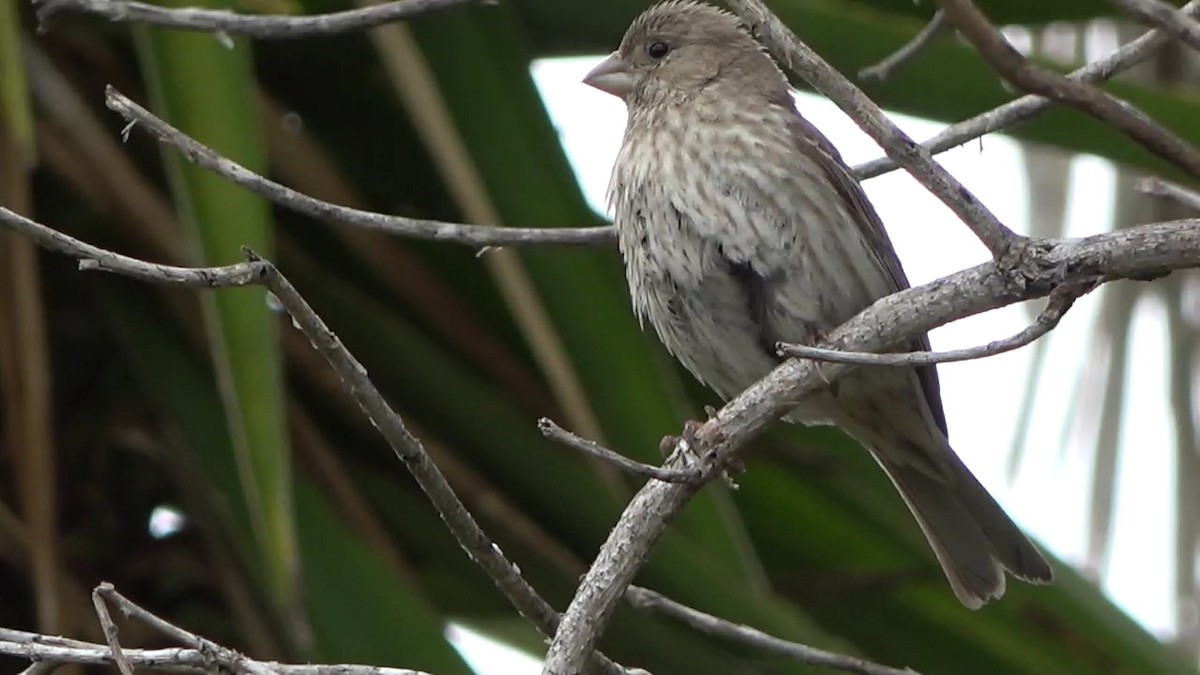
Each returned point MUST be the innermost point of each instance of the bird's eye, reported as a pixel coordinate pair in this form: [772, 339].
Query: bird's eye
[657, 50]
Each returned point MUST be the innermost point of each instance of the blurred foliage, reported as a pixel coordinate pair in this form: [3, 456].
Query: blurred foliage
[305, 539]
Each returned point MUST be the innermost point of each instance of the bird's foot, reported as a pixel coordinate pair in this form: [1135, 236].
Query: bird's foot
[687, 440]
[687, 443]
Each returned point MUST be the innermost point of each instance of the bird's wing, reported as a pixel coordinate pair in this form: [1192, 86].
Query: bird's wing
[813, 144]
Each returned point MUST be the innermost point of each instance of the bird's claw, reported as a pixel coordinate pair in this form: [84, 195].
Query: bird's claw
[687, 439]
[686, 443]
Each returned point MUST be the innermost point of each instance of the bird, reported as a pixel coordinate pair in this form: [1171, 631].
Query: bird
[741, 227]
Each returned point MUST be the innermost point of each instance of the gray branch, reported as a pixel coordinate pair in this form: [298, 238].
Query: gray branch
[1060, 301]
[1157, 13]
[593, 449]
[1027, 107]
[650, 601]
[95, 258]
[1011, 65]
[471, 537]
[47, 652]
[1164, 188]
[894, 61]
[1179, 24]
[478, 236]
[47, 655]
[258, 26]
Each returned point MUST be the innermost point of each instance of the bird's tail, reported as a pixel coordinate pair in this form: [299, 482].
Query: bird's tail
[973, 538]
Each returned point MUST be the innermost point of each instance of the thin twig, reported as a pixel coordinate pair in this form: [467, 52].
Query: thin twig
[471, 537]
[407, 447]
[806, 63]
[48, 652]
[1164, 188]
[1060, 302]
[110, 634]
[1164, 16]
[457, 233]
[588, 447]
[884, 69]
[995, 49]
[134, 611]
[650, 601]
[1026, 107]
[21, 637]
[258, 26]
[95, 258]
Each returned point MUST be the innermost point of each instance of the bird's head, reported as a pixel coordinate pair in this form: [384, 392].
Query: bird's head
[678, 48]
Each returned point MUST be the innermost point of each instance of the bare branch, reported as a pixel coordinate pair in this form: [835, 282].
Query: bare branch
[650, 601]
[95, 258]
[258, 26]
[882, 70]
[471, 537]
[48, 652]
[105, 593]
[594, 449]
[457, 233]
[1060, 302]
[129, 608]
[1015, 68]
[110, 634]
[1164, 188]
[1156, 13]
[1138, 253]
[1026, 107]
[802, 60]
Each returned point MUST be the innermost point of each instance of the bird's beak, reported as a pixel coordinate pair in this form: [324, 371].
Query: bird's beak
[611, 76]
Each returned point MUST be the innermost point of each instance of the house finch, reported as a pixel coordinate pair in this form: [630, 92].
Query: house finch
[741, 227]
